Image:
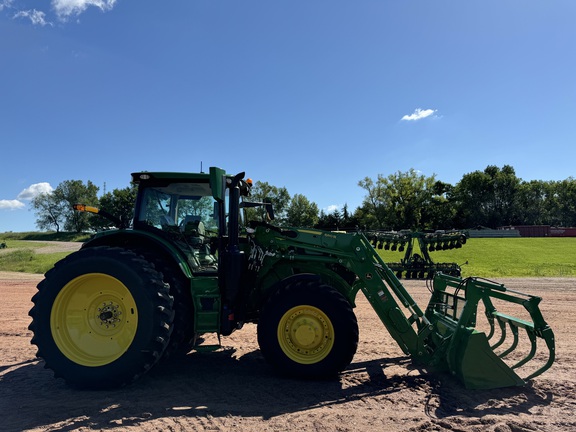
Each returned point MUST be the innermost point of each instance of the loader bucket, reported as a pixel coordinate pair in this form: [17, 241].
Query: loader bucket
[491, 353]
[478, 367]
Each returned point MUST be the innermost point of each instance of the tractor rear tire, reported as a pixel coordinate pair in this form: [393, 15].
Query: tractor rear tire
[182, 337]
[307, 329]
[102, 317]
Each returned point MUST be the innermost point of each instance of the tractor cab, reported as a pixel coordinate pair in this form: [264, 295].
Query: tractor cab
[199, 213]
[184, 211]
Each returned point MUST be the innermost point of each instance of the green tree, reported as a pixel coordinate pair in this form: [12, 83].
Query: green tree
[397, 201]
[373, 213]
[348, 222]
[564, 203]
[488, 197]
[338, 220]
[473, 195]
[50, 212]
[330, 221]
[301, 212]
[440, 211]
[535, 202]
[120, 203]
[278, 196]
[71, 192]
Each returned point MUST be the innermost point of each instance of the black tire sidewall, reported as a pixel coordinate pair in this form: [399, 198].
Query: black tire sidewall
[181, 339]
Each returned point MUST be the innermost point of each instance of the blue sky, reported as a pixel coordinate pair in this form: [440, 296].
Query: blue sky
[312, 95]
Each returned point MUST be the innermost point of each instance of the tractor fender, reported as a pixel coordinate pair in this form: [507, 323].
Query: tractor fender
[291, 279]
[134, 240]
[306, 277]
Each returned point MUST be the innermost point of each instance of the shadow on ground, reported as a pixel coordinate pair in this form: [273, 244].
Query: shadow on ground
[220, 384]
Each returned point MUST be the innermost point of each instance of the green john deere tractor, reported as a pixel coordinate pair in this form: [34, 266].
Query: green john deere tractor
[190, 264]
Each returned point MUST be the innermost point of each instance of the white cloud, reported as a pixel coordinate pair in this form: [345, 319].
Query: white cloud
[5, 4]
[34, 190]
[27, 194]
[419, 114]
[66, 8]
[331, 208]
[11, 204]
[37, 17]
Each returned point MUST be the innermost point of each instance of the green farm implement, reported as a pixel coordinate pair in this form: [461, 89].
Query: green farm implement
[416, 265]
[191, 264]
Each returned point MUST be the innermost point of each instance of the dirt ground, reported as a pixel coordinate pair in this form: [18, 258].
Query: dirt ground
[234, 389]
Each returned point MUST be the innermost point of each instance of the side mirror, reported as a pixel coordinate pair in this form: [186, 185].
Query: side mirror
[218, 183]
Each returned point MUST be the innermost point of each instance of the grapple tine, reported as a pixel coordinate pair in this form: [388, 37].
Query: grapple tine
[490, 320]
[535, 329]
[512, 347]
[532, 338]
[502, 335]
[548, 337]
[491, 315]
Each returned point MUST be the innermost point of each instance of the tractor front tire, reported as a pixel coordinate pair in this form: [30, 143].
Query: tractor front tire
[102, 317]
[307, 329]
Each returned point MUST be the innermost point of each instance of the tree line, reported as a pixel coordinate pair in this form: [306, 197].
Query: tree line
[490, 198]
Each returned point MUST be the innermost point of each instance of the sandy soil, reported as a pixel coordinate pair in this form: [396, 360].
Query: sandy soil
[234, 389]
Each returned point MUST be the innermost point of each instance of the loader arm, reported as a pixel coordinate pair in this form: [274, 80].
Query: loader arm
[386, 293]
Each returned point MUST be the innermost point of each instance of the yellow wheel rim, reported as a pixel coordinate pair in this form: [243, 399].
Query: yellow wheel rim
[94, 319]
[305, 334]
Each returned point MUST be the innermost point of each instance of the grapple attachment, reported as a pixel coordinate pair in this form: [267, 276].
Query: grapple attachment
[481, 354]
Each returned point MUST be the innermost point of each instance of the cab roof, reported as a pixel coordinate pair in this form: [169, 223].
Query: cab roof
[137, 177]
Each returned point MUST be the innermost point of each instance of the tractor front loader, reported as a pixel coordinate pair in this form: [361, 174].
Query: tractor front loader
[193, 262]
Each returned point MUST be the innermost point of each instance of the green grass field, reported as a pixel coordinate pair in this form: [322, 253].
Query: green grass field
[509, 257]
[25, 260]
[487, 257]
[20, 255]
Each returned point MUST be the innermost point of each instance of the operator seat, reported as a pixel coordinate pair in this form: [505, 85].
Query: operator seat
[194, 227]
[195, 231]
